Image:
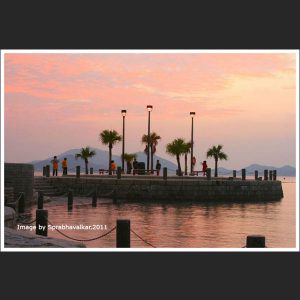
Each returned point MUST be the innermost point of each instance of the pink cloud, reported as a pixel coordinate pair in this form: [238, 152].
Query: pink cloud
[171, 75]
[77, 95]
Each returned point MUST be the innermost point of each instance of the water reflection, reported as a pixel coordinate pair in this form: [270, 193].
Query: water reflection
[198, 225]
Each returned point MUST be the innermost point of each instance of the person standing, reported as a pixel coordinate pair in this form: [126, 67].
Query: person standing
[113, 166]
[204, 167]
[129, 167]
[55, 162]
[158, 167]
[135, 166]
[64, 165]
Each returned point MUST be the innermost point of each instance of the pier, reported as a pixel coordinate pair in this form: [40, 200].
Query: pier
[20, 178]
[174, 188]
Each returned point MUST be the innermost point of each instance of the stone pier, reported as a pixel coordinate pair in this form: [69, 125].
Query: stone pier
[173, 189]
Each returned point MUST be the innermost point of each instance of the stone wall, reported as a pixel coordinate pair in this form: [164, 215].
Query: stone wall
[20, 177]
[157, 189]
[9, 195]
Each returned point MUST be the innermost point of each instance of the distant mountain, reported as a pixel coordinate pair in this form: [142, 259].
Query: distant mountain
[99, 161]
[282, 171]
[286, 171]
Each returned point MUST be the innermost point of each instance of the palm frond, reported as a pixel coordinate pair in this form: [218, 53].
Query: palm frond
[176, 147]
[109, 137]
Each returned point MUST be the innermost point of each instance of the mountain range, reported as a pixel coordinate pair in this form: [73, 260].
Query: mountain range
[100, 161]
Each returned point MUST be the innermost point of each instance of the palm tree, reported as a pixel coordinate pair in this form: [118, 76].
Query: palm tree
[177, 148]
[217, 154]
[110, 138]
[85, 154]
[154, 138]
[128, 157]
[187, 150]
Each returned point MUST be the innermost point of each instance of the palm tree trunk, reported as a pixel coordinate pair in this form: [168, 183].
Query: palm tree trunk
[109, 160]
[185, 164]
[179, 167]
[86, 167]
[216, 167]
[151, 158]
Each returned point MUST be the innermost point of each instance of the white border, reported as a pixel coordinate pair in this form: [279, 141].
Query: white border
[2, 151]
[296, 249]
[297, 150]
[152, 51]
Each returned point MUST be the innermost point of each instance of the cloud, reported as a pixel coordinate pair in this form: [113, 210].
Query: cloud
[176, 76]
[69, 94]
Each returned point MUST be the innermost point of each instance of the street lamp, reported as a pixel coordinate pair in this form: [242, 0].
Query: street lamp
[123, 112]
[149, 108]
[192, 114]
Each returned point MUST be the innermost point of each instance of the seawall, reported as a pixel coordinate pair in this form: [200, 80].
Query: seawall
[18, 178]
[173, 189]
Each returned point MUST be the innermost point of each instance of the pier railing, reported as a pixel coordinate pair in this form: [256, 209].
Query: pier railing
[122, 229]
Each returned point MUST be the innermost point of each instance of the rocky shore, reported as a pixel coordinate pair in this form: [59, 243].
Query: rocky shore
[19, 239]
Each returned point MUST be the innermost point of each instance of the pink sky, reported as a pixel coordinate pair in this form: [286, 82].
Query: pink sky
[247, 102]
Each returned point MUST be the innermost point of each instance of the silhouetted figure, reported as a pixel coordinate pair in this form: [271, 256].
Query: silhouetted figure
[129, 167]
[158, 167]
[204, 167]
[135, 166]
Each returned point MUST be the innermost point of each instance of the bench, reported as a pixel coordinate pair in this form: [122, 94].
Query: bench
[103, 171]
[134, 171]
[196, 173]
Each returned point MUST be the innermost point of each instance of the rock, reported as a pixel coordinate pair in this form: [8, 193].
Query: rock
[10, 217]
[17, 239]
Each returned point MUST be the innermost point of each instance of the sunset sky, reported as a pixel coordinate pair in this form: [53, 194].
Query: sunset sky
[246, 102]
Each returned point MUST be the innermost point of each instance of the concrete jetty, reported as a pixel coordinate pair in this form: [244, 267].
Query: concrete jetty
[174, 188]
[20, 178]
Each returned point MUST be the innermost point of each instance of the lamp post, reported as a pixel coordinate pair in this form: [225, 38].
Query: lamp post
[123, 112]
[192, 114]
[149, 108]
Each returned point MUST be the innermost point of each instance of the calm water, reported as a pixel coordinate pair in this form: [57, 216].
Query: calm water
[186, 225]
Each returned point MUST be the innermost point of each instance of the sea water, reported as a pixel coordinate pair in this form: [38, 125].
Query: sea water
[180, 225]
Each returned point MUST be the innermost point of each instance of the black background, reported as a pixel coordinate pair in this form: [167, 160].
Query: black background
[149, 25]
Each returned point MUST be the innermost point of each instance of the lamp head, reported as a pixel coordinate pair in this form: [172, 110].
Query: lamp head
[149, 107]
[123, 111]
